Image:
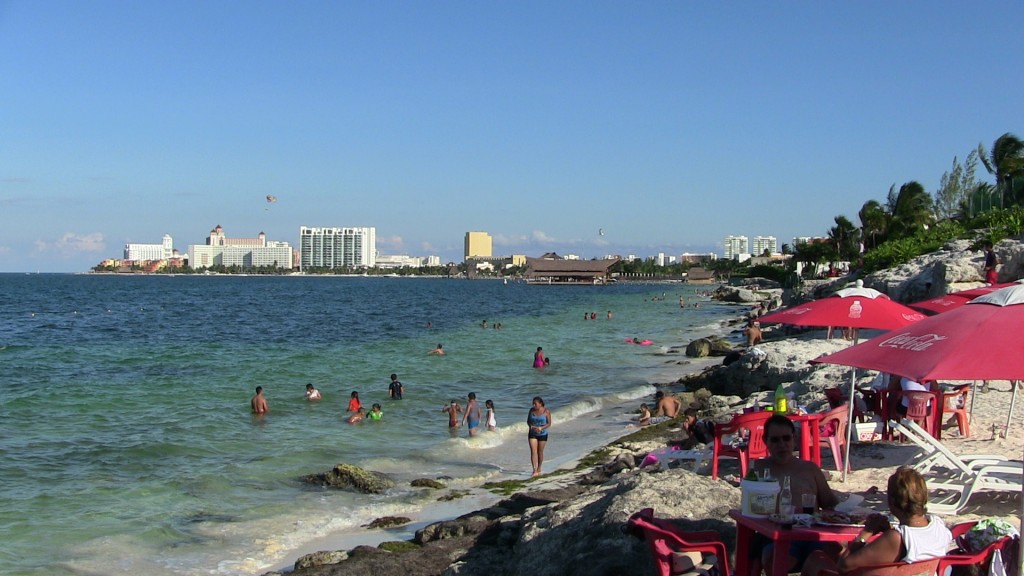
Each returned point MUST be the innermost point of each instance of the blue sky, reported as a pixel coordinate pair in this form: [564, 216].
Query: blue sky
[667, 124]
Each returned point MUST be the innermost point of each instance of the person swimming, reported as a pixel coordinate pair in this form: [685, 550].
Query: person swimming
[375, 413]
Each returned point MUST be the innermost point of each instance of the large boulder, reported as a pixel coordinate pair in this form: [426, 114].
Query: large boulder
[350, 476]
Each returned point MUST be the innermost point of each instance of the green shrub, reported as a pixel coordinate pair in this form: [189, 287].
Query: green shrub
[895, 252]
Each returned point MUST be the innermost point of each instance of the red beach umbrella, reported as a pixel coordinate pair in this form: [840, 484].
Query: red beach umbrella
[955, 300]
[978, 341]
[850, 308]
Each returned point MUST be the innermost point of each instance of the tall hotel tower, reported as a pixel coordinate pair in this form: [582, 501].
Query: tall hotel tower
[337, 247]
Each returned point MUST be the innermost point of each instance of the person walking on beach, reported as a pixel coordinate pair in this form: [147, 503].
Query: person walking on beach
[492, 423]
[538, 358]
[259, 403]
[395, 389]
[353, 402]
[990, 264]
[453, 411]
[471, 418]
[312, 394]
[539, 420]
[438, 351]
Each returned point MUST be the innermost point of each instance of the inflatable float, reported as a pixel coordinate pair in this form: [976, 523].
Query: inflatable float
[641, 342]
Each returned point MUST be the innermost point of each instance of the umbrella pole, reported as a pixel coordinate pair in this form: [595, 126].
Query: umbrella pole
[1009, 415]
[850, 424]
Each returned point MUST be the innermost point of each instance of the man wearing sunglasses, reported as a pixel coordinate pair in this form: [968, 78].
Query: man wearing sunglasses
[805, 477]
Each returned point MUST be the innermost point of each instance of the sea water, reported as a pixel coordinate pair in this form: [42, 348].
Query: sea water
[127, 445]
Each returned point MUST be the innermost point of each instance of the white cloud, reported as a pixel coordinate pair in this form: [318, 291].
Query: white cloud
[70, 244]
[505, 240]
[427, 247]
[394, 243]
[541, 236]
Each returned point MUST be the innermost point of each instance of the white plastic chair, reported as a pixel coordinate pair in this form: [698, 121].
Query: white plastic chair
[935, 454]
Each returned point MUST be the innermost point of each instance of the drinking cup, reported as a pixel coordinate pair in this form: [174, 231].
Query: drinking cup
[808, 503]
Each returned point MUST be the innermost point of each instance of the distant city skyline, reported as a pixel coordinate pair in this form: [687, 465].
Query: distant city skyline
[578, 127]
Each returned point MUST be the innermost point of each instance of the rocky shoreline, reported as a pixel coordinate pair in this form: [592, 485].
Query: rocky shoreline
[571, 522]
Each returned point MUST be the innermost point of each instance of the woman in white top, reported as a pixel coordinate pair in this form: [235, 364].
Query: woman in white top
[918, 536]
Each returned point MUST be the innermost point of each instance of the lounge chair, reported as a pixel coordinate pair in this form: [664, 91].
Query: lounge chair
[934, 454]
[952, 490]
[677, 551]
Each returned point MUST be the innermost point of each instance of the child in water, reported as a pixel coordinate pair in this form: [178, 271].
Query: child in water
[354, 405]
[375, 413]
[491, 422]
[358, 417]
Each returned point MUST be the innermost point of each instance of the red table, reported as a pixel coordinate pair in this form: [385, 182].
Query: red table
[810, 436]
[747, 526]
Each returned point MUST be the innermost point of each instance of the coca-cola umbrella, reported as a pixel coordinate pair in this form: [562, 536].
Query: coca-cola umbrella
[954, 300]
[978, 341]
[856, 307]
[849, 308]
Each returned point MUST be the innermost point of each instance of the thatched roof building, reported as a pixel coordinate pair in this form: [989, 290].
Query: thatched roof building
[558, 271]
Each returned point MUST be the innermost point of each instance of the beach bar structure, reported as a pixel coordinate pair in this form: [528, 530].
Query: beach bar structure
[576, 272]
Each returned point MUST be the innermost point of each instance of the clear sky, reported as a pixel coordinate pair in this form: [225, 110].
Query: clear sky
[667, 124]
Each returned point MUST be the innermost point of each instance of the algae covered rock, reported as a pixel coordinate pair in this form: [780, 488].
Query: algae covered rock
[350, 476]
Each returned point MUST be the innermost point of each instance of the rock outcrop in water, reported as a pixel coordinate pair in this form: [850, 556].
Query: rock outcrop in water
[350, 476]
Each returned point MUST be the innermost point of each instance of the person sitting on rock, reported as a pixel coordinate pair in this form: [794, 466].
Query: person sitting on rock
[666, 407]
[753, 332]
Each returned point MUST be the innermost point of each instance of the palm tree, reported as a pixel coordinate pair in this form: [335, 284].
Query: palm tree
[846, 238]
[912, 211]
[1006, 163]
[874, 223]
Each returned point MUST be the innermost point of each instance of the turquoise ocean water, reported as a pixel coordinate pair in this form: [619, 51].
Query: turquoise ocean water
[127, 446]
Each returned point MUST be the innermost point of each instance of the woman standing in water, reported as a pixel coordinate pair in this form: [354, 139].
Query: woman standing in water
[539, 420]
[538, 358]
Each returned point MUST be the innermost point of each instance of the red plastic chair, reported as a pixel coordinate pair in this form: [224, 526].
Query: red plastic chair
[665, 538]
[1006, 545]
[920, 568]
[836, 438]
[919, 409]
[753, 449]
[956, 403]
[837, 397]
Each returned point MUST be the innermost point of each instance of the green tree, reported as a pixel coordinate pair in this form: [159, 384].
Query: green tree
[1006, 163]
[874, 224]
[846, 239]
[911, 211]
[956, 186]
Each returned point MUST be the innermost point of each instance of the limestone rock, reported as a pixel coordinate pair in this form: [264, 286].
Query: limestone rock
[426, 483]
[320, 559]
[388, 522]
[698, 348]
[349, 476]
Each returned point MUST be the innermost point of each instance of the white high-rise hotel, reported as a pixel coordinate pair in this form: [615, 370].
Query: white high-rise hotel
[735, 246]
[762, 243]
[337, 247]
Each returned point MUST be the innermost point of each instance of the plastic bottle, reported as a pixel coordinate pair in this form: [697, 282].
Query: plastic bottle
[785, 497]
[780, 400]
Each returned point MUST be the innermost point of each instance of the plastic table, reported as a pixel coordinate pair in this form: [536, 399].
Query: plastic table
[747, 526]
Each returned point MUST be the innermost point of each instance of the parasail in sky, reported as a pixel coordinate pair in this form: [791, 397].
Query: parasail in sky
[600, 231]
[271, 198]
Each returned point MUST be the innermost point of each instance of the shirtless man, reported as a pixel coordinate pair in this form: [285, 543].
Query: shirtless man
[753, 332]
[667, 407]
[259, 403]
[805, 478]
[439, 351]
[312, 394]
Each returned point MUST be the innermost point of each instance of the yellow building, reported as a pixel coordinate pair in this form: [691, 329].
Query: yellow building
[478, 245]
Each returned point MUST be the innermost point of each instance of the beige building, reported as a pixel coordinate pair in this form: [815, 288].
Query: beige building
[478, 245]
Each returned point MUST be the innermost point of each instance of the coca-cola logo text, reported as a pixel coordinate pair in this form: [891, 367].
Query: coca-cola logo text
[912, 343]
